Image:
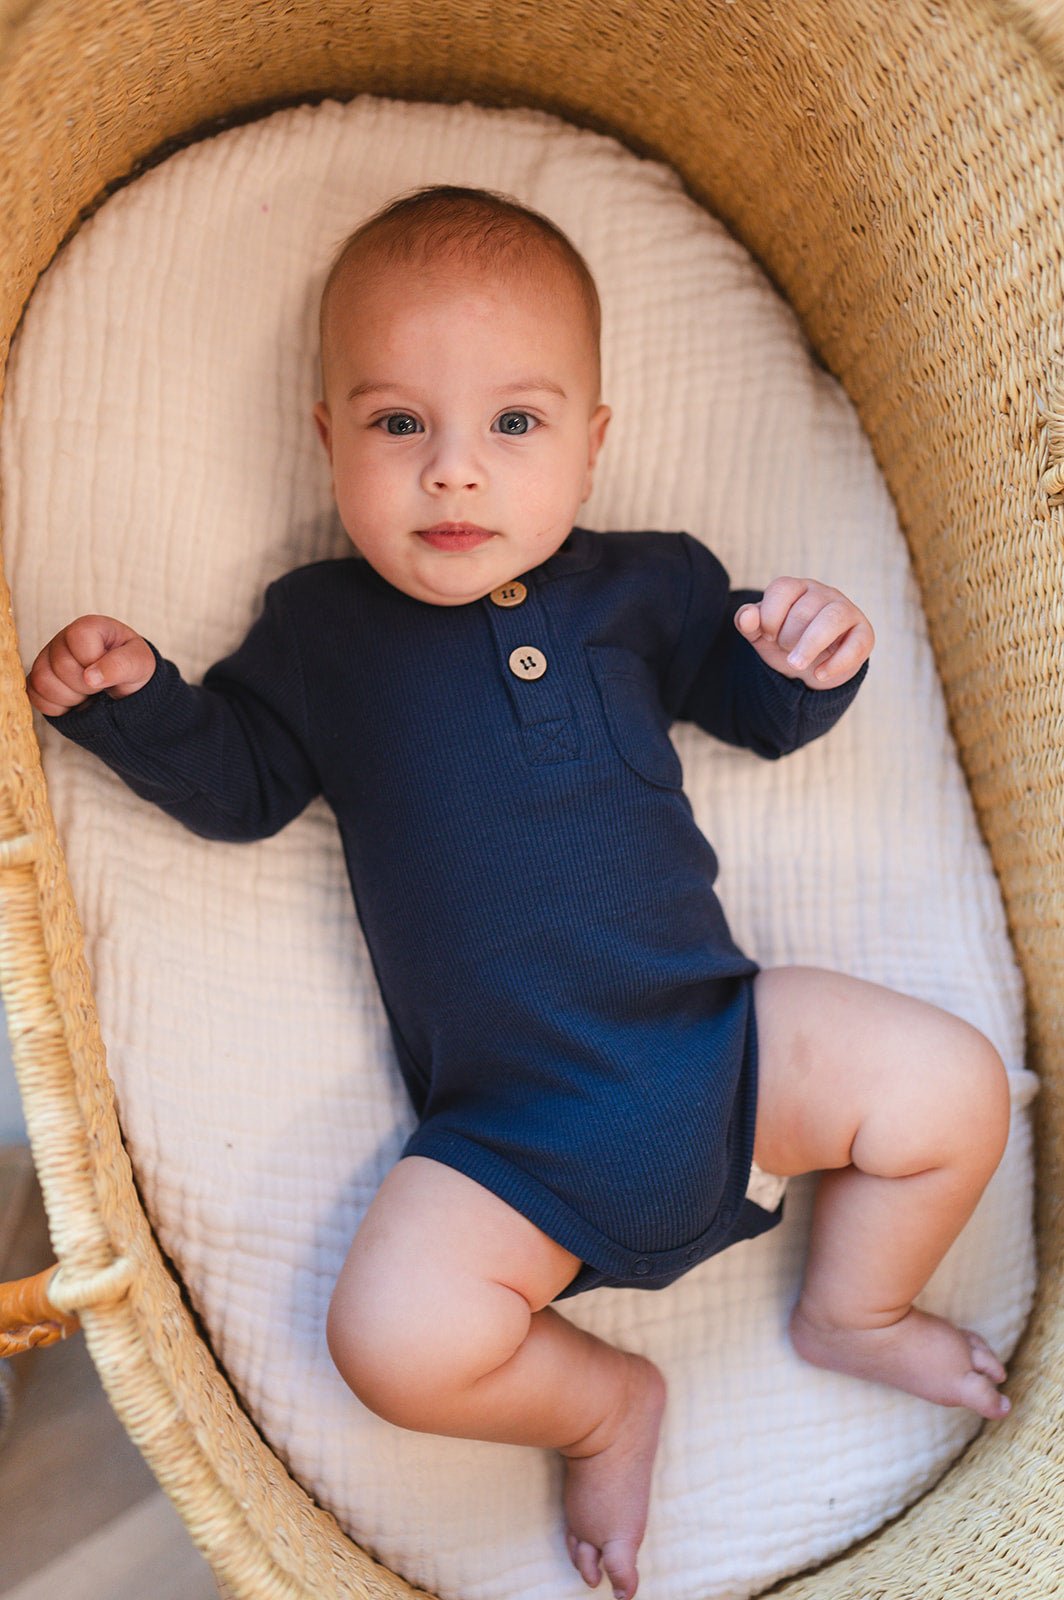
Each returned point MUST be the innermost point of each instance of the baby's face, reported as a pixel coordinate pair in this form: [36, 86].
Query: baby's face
[462, 422]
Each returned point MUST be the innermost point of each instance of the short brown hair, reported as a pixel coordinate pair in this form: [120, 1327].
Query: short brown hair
[461, 226]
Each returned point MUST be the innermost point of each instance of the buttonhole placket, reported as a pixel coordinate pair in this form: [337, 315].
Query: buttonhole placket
[530, 666]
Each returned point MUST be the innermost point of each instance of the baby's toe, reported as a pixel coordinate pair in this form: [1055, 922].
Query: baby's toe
[984, 1360]
[585, 1559]
[979, 1394]
[618, 1558]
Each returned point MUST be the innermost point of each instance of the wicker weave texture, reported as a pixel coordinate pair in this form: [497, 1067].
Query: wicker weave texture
[898, 171]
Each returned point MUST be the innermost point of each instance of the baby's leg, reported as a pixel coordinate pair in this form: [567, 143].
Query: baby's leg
[908, 1109]
[441, 1322]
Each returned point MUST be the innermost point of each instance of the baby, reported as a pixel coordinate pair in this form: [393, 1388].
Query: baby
[601, 1077]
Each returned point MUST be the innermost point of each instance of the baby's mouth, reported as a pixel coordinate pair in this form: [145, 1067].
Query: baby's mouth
[455, 535]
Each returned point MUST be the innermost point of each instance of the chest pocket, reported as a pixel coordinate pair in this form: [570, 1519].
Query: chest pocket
[638, 724]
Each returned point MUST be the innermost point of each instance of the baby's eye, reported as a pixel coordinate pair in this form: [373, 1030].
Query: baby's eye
[398, 422]
[515, 422]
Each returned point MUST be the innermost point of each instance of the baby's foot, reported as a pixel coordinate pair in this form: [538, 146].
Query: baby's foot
[922, 1354]
[607, 1484]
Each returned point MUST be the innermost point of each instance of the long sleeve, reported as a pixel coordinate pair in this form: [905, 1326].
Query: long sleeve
[229, 759]
[718, 680]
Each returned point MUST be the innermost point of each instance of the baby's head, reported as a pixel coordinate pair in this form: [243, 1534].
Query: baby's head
[460, 369]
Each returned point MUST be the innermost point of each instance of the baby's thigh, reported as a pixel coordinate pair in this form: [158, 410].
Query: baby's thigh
[839, 1057]
[441, 1271]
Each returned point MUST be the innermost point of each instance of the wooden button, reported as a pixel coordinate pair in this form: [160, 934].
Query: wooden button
[509, 594]
[527, 662]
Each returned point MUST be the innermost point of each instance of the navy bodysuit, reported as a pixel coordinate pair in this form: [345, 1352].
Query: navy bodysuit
[572, 1018]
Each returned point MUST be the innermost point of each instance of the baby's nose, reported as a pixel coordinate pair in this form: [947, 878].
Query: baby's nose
[452, 465]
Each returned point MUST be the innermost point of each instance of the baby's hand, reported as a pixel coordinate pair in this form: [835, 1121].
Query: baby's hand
[807, 630]
[86, 656]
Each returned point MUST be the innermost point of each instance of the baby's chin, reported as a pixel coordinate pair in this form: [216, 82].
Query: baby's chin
[454, 581]
[457, 589]
[467, 597]
[446, 600]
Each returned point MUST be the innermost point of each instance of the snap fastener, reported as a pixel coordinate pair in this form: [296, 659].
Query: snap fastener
[692, 1253]
[642, 1267]
[508, 594]
[527, 662]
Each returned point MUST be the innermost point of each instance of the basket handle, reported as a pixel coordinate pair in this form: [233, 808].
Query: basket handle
[28, 1317]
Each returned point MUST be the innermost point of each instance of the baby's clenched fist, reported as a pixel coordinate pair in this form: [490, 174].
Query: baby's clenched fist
[87, 656]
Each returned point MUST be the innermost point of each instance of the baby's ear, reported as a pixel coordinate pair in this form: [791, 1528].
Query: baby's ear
[323, 422]
[596, 433]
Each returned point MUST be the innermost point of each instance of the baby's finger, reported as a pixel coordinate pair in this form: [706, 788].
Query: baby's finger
[776, 602]
[48, 695]
[58, 665]
[56, 681]
[124, 669]
[830, 624]
[88, 638]
[843, 659]
[748, 621]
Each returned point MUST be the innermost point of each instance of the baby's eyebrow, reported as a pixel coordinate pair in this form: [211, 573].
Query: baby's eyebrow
[524, 385]
[513, 386]
[360, 389]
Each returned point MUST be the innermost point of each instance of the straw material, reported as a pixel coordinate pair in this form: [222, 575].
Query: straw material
[1043, 21]
[898, 170]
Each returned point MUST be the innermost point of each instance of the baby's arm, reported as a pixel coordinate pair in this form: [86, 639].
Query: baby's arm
[229, 758]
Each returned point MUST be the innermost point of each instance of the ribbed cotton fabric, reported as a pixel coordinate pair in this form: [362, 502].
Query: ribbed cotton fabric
[573, 1021]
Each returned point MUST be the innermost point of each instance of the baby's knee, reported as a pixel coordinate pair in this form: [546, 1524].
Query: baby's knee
[404, 1343]
[378, 1333]
[973, 1106]
[986, 1089]
[947, 1107]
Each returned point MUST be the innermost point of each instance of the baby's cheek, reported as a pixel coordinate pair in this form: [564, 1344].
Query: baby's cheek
[553, 506]
[550, 538]
[357, 500]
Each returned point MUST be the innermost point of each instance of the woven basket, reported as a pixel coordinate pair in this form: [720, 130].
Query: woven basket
[899, 171]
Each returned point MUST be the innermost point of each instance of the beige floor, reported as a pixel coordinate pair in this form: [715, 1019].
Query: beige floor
[80, 1514]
